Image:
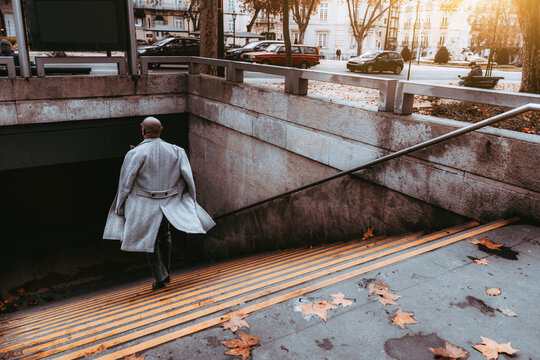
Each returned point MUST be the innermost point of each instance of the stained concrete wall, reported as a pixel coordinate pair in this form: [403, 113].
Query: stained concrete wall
[488, 174]
[74, 98]
[231, 168]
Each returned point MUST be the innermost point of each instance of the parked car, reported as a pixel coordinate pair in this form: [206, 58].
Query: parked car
[303, 56]
[173, 46]
[235, 54]
[377, 61]
[142, 42]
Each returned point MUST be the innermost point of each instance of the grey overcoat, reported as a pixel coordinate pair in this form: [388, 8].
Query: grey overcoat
[155, 181]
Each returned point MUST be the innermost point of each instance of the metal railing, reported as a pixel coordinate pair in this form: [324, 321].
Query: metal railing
[450, 135]
[120, 61]
[296, 80]
[9, 62]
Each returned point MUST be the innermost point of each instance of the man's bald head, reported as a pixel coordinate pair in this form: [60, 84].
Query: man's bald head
[151, 127]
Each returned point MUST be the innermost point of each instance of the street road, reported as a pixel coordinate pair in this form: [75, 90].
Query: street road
[429, 73]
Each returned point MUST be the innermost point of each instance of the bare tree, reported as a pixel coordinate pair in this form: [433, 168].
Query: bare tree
[286, 33]
[363, 14]
[209, 33]
[529, 14]
[302, 11]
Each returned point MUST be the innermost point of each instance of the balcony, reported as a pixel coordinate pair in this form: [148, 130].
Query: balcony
[143, 4]
[444, 26]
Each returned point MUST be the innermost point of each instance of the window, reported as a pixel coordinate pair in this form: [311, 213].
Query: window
[322, 40]
[231, 25]
[230, 5]
[441, 40]
[310, 50]
[444, 22]
[295, 50]
[139, 22]
[179, 22]
[323, 11]
[159, 20]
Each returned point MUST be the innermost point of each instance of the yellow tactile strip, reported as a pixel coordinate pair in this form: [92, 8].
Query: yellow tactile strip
[111, 322]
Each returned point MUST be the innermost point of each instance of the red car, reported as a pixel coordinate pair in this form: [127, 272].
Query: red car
[303, 56]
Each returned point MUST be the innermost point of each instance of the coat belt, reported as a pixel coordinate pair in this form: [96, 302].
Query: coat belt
[156, 194]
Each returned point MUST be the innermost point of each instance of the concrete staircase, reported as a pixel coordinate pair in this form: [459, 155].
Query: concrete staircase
[131, 319]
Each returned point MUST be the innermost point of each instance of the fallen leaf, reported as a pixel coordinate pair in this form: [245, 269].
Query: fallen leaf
[403, 318]
[481, 261]
[235, 321]
[10, 354]
[451, 352]
[375, 287]
[241, 346]
[339, 298]
[507, 312]
[99, 349]
[284, 348]
[318, 309]
[387, 298]
[490, 349]
[487, 243]
[493, 291]
[134, 357]
[368, 233]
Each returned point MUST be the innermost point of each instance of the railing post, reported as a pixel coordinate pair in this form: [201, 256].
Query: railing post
[194, 68]
[234, 74]
[403, 104]
[387, 96]
[294, 84]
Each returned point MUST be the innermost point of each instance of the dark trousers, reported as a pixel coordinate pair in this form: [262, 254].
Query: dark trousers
[160, 260]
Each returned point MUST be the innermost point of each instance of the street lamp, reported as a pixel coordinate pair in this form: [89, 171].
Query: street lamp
[187, 18]
[234, 28]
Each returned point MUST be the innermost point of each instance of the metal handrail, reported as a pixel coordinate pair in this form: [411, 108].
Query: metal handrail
[450, 135]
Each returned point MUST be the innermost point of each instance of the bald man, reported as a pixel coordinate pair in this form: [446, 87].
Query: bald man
[156, 188]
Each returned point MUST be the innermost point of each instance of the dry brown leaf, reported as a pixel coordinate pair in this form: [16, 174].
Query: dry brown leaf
[134, 357]
[235, 321]
[375, 287]
[339, 298]
[493, 291]
[99, 349]
[481, 261]
[451, 352]
[486, 242]
[368, 233]
[241, 346]
[387, 298]
[318, 309]
[10, 354]
[403, 318]
[490, 349]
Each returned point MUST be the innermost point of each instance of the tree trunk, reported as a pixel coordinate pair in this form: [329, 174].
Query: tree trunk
[359, 42]
[529, 13]
[209, 33]
[286, 33]
[253, 19]
[301, 33]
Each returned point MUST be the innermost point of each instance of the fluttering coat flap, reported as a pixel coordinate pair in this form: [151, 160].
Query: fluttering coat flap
[155, 181]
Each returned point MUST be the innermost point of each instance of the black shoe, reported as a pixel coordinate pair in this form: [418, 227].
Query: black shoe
[158, 285]
[167, 279]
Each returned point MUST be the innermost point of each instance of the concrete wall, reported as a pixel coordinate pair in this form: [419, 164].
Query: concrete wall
[73, 98]
[485, 175]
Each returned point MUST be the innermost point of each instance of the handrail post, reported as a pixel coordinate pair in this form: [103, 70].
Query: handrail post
[194, 68]
[234, 74]
[294, 84]
[403, 104]
[387, 95]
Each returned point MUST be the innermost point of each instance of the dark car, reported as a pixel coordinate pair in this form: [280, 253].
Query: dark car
[173, 46]
[236, 54]
[377, 61]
